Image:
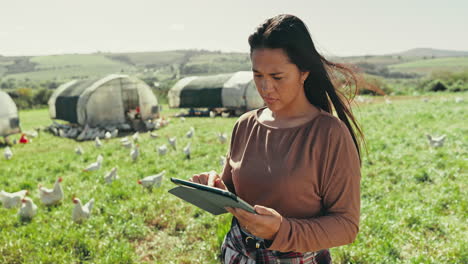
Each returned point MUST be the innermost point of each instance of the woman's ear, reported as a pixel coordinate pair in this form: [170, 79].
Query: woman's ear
[304, 76]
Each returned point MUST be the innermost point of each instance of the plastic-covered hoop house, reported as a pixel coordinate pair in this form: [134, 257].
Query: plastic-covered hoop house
[9, 121]
[234, 91]
[103, 102]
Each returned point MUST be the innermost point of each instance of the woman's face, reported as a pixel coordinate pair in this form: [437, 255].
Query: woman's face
[278, 80]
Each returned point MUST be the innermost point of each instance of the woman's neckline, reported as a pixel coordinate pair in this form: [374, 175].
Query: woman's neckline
[258, 111]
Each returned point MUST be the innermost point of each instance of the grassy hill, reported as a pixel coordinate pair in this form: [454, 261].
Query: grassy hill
[64, 67]
[166, 65]
[150, 59]
[159, 65]
[431, 53]
[400, 73]
[428, 66]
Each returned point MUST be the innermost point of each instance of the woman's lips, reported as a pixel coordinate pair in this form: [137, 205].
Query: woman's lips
[269, 100]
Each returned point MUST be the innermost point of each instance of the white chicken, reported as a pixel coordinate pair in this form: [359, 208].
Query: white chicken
[387, 100]
[107, 135]
[51, 196]
[95, 165]
[97, 142]
[225, 114]
[182, 119]
[162, 150]
[81, 212]
[126, 143]
[79, 150]
[212, 114]
[436, 142]
[187, 150]
[189, 134]
[111, 176]
[136, 136]
[28, 209]
[152, 181]
[154, 135]
[458, 99]
[135, 153]
[12, 200]
[157, 125]
[172, 142]
[222, 137]
[222, 160]
[8, 153]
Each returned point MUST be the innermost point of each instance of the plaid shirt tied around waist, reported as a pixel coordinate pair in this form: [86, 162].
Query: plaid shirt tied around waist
[235, 251]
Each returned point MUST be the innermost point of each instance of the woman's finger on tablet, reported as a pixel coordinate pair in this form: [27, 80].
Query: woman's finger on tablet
[203, 178]
[220, 184]
[212, 177]
[194, 178]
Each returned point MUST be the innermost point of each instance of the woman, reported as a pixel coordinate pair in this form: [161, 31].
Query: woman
[293, 160]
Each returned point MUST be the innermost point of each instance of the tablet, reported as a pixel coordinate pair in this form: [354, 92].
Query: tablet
[208, 198]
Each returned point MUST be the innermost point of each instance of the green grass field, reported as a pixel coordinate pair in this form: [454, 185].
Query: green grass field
[377, 60]
[433, 65]
[413, 196]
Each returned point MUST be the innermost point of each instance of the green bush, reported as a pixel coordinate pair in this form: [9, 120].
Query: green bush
[455, 81]
[374, 84]
[41, 97]
[26, 98]
[433, 85]
[459, 86]
[23, 98]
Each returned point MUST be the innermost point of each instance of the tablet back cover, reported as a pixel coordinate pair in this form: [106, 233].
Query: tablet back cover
[208, 201]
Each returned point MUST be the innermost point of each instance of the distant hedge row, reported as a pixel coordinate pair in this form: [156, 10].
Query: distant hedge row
[451, 81]
[27, 98]
[30, 94]
[436, 82]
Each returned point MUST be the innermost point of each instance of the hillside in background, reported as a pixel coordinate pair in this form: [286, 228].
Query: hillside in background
[429, 53]
[158, 65]
[166, 65]
[31, 79]
[414, 63]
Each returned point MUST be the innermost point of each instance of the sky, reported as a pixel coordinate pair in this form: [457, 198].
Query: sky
[338, 27]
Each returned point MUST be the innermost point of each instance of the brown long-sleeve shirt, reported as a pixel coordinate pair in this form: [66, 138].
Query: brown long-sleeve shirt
[309, 173]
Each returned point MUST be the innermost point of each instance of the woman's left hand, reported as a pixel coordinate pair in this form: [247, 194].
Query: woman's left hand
[264, 224]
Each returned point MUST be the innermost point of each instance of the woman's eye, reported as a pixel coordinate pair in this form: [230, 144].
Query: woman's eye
[277, 78]
[257, 76]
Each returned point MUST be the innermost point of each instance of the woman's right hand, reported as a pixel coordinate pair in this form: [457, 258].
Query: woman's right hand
[211, 179]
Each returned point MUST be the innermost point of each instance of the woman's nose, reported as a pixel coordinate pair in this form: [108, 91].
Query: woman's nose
[266, 85]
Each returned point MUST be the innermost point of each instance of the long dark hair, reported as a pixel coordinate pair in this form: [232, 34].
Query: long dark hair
[321, 86]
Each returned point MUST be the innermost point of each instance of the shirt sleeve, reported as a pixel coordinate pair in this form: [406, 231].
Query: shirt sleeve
[226, 174]
[340, 193]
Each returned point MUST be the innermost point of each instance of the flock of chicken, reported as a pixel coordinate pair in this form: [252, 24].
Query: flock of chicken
[49, 197]
[82, 212]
